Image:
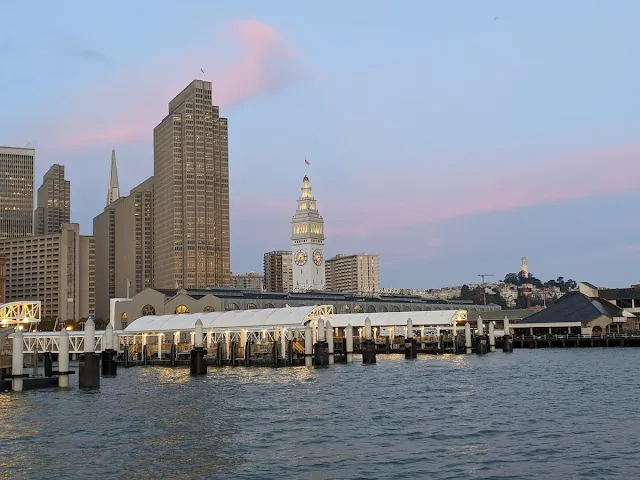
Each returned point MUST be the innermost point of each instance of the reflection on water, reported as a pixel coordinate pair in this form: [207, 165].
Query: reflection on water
[536, 414]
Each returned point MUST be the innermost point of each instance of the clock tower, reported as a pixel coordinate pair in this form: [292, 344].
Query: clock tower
[307, 243]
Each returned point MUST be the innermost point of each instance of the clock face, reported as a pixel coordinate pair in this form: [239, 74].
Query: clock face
[301, 257]
[317, 257]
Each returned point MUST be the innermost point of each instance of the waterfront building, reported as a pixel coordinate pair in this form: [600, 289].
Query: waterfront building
[175, 301]
[359, 273]
[278, 271]
[16, 191]
[54, 202]
[248, 281]
[191, 214]
[2, 280]
[57, 269]
[307, 243]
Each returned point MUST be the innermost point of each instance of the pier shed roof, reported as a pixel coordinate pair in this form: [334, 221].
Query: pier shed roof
[389, 319]
[232, 320]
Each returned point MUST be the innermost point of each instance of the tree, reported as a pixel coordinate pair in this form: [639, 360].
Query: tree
[511, 278]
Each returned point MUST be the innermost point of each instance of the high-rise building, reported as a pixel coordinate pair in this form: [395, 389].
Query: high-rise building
[249, 281]
[307, 243]
[104, 231]
[16, 191]
[2, 280]
[278, 271]
[133, 217]
[191, 179]
[55, 269]
[54, 202]
[358, 274]
[113, 192]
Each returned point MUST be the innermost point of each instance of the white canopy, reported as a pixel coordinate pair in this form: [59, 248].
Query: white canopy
[390, 319]
[231, 320]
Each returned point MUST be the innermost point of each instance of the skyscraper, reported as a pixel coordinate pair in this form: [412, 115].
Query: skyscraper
[359, 273]
[113, 192]
[191, 202]
[16, 191]
[54, 202]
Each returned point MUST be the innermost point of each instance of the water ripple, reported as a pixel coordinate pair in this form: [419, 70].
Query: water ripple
[534, 414]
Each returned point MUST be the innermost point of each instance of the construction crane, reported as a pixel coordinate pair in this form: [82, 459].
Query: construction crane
[484, 292]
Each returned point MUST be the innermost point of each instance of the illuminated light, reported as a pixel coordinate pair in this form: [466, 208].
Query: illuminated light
[20, 327]
[69, 328]
[26, 320]
[3, 322]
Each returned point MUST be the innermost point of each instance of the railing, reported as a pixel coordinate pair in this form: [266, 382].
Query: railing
[575, 336]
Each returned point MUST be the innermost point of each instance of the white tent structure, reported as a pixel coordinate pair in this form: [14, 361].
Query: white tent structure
[234, 320]
[436, 318]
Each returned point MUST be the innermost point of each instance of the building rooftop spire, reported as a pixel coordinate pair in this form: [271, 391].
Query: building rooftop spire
[113, 193]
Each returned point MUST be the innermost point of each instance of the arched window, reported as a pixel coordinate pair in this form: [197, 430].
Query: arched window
[357, 309]
[347, 309]
[208, 309]
[417, 309]
[124, 316]
[233, 306]
[148, 310]
[395, 308]
[252, 306]
[371, 309]
[302, 305]
[407, 309]
[269, 305]
[286, 305]
[181, 309]
[384, 308]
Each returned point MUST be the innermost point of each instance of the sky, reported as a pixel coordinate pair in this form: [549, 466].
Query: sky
[452, 138]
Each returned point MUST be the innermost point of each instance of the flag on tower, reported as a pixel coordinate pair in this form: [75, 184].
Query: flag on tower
[306, 162]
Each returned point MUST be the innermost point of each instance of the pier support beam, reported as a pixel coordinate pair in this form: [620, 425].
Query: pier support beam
[108, 355]
[329, 339]
[283, 346]
[308, 346]
[410, 345]
[247, 353]
[492, 338]
[198, 365]
[321, 348]
[368, 345]
[481, 339]
[173, 355]
[89, 371]
[63, 359]
[507, 339]
[348, 340]
[17, 362]
[467, 338]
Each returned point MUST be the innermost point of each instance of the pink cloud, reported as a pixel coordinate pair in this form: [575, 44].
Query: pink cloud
[127, 105]
[418, 200]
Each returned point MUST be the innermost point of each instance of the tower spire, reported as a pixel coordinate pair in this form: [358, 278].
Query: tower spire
[113, 193]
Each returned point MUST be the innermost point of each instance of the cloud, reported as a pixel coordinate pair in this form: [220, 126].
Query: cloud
[129, 103]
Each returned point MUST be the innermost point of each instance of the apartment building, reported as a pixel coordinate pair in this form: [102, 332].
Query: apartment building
[248, 281]
[358, 273]
[278, 271]
[57, 269]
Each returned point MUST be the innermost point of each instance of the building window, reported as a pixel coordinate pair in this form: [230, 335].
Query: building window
[208, 309]
[232, 306]
[417, 309]
[269, 305]
[384, 308]
[124, 316]
[286, 305]
[251, 306]
[371, 309]
[357, 309]
[395, 308]
[347, 309]
[180, 309]
[148, 310]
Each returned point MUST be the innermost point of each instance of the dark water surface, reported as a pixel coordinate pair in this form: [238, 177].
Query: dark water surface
[534, 414]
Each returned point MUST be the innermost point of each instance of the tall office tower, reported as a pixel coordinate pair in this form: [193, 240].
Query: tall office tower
[191, 204]
[134, 241]
[359, 273]
[54, 202]
[55, 269]
[278, 271]
[113, 191]
[2, 280]
[16, 191]
[104, 231]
